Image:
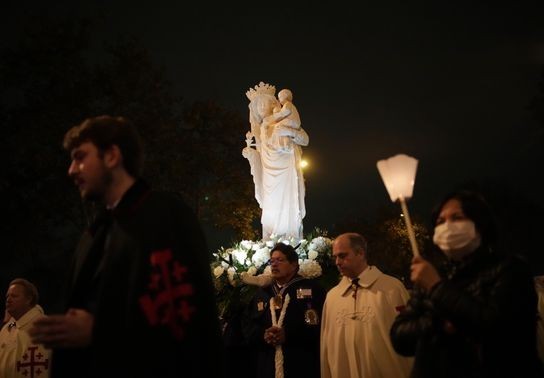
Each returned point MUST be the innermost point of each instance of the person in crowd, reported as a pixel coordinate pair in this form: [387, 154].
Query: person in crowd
[284, 318]
[539, 287]
[357, 316]
[19, 356]
[140, 299]
[478, 319]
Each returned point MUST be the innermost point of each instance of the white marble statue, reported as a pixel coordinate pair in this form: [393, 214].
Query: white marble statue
[276, 136]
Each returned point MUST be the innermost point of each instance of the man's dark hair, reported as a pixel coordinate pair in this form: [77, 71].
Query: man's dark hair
[288, 251]
[106, 131]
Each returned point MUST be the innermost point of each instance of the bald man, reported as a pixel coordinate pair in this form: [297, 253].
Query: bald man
[357, 316]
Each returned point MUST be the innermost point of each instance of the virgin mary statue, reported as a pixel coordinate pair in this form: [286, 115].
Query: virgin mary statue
[274, 154]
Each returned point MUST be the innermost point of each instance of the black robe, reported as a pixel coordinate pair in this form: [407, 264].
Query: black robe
[301, 346]
[143, 272]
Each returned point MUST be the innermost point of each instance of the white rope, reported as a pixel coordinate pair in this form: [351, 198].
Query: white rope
[278, 357]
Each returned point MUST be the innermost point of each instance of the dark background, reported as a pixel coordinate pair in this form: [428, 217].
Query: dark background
[453, 84]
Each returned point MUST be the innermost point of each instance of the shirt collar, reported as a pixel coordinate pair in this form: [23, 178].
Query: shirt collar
[279, 289]
[366, 278]
[27, 317]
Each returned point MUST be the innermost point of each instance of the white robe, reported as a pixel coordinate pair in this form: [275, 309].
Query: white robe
[282, 189]
[18, 356]
[355, 339]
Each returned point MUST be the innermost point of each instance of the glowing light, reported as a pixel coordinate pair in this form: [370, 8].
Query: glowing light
[398, 174]
[303, 164]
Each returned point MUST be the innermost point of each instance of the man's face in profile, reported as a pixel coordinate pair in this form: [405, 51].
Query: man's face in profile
[89, 172]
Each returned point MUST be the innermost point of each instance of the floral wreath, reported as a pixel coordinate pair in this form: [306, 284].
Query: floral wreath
[236, 270]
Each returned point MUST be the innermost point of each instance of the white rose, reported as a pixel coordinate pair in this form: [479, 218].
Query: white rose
[310, 269]
[312, 255]
[261, 256]
[320, 243]
[246, 244]
[240, 256]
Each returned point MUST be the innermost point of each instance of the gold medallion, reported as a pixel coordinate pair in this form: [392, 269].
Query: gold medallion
[311, 317]
[304, 293]
[278, 302]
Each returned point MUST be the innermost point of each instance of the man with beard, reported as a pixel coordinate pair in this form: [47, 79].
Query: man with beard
[139, 300]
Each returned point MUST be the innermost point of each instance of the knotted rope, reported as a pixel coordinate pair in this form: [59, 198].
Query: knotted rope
[278, 357]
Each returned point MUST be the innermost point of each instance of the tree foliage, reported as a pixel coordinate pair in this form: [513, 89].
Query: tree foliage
[388, 243]
[45, 88]
[222, 189]
[55, 77]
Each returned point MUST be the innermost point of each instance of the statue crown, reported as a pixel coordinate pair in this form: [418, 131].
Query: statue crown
[261, 88]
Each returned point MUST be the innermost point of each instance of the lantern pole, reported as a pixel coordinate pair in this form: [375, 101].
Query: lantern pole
[407, 220]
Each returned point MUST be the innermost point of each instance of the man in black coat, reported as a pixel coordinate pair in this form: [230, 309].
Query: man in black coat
[298, 335]
[140, 298]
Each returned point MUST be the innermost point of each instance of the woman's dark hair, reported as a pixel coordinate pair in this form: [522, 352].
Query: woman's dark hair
[476, 209]
[287, 250]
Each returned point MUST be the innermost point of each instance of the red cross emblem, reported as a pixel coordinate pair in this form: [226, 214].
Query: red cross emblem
[168, 297]
[32, 363]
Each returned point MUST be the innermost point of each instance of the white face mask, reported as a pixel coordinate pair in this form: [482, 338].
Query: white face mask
[457, 239]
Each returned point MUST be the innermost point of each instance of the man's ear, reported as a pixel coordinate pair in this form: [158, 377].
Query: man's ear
[113, 156]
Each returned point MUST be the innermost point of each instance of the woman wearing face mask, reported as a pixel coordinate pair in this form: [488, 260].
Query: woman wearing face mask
[478, 319]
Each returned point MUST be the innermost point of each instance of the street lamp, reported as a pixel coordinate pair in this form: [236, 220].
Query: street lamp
[398, 174]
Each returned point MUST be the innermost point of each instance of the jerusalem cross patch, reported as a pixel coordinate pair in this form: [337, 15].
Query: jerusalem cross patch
[167, 301]
[33, 363]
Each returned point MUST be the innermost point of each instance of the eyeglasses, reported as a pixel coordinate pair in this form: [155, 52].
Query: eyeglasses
[276, 260]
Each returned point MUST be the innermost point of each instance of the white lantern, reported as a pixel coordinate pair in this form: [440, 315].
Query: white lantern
[398, 174]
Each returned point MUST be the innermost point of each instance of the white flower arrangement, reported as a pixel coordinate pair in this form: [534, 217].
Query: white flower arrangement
[250, 258]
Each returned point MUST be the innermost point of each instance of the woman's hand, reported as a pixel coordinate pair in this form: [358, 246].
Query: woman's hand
[424, 274]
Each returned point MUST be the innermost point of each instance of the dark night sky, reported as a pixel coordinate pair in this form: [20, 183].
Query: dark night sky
[447, 84]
